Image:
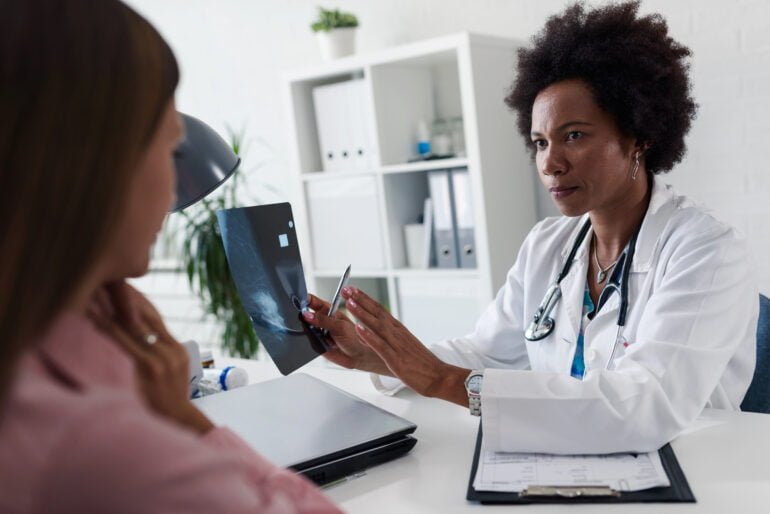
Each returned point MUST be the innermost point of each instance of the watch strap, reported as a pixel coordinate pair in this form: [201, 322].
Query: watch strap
[474, 404]
[474, 398]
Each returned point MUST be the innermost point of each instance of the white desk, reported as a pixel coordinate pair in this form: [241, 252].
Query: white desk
[727, 465]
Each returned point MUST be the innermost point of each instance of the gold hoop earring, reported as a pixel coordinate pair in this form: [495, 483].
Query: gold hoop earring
[636, 166]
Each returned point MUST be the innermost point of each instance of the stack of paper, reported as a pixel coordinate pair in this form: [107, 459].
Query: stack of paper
[514, 472]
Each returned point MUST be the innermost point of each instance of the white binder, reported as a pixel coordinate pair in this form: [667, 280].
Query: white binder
[427, 221]
[327, 101]
[362, 157]
[342, 123]
[444, 233]
[463, 208]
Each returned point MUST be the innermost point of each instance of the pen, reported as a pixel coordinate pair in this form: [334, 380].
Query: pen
[337, 298]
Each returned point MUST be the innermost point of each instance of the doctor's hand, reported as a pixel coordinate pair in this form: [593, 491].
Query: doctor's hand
[162, 364]
[347, 349]
[404, 355]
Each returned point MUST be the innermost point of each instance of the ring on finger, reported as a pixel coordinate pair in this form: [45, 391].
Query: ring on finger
[150, 338]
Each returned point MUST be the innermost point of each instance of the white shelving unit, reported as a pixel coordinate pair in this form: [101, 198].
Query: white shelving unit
[357, 216]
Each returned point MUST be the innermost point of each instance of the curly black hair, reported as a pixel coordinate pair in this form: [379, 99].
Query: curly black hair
[637, 73]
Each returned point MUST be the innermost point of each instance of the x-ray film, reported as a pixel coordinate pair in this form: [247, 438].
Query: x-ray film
[261, 247]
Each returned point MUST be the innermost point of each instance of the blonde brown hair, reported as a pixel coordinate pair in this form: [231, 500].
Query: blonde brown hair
[83, 84]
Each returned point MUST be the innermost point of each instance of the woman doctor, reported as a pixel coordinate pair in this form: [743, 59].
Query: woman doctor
[619, 321]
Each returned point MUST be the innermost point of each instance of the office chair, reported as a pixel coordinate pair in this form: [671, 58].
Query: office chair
[757, 398]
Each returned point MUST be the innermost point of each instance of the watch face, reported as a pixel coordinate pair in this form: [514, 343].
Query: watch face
[474, 384]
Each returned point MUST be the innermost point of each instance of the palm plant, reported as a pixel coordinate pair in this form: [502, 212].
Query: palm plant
[205, 262]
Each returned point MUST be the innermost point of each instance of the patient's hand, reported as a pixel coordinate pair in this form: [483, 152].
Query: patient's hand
[162, 364]
[346, 350]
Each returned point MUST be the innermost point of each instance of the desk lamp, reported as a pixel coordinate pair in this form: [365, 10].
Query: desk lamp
[203, 161]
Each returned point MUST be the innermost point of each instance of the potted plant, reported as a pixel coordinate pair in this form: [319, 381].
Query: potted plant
[204, 260]
[336, 32]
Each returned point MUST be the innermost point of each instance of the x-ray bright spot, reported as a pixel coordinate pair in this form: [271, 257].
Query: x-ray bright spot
[269, 314]
[283, 239]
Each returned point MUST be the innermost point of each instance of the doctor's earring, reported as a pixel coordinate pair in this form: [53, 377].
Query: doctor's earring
[636, 166]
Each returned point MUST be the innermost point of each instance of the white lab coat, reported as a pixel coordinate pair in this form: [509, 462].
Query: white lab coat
[691, 325]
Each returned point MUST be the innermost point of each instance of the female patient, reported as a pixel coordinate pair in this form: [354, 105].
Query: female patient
[94, 414]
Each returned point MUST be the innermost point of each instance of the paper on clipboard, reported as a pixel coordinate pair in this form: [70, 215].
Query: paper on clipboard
[514, 472]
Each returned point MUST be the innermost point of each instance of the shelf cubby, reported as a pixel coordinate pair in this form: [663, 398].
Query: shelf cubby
[357, 216]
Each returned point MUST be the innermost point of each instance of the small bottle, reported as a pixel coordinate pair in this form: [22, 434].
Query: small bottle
[216, 380]
[423, 139]
[207, 359]
[458, 137]
[441, 143]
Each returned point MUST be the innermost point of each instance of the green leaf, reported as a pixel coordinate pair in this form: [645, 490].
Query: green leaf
[205, 263]
[329, 19]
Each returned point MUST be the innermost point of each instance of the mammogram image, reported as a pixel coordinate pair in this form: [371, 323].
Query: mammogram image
[263, 255]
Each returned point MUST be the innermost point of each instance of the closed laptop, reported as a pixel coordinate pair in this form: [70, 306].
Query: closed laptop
[310, 426]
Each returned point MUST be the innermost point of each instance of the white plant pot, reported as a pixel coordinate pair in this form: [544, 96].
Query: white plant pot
[337, 43]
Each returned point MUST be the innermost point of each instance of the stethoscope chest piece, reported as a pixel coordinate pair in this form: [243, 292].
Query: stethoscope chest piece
[542, 323]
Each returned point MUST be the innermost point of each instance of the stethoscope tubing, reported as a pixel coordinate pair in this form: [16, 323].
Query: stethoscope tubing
[549, 301]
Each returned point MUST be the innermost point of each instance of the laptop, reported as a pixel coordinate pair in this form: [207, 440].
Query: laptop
[307, 425]
[262, 252]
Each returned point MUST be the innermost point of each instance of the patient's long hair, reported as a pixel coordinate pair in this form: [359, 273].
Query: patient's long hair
[83, 85]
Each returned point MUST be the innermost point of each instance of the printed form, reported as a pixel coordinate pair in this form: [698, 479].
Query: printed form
[514, 472]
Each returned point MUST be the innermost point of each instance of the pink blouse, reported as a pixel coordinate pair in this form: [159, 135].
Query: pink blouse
[76, 437]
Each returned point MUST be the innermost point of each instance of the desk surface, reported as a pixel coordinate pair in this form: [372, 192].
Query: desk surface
[726, 464]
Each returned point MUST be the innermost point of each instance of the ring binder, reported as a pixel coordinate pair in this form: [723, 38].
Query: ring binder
[463, 209]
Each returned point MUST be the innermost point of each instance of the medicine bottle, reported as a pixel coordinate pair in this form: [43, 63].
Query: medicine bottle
[217, 380]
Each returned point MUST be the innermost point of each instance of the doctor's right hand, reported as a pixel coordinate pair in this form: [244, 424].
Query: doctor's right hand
[347, 349]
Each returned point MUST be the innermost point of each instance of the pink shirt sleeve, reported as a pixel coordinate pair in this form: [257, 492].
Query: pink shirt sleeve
[128, 460]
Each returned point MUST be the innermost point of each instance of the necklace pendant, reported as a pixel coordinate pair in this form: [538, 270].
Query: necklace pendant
[600, 276]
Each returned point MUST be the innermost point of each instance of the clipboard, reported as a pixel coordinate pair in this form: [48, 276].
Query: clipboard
[678, 492]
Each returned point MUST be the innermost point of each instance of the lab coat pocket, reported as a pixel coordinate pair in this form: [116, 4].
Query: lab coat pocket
[551, 353]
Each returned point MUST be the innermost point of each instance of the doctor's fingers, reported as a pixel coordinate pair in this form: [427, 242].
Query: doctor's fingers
[317, 304]
[339, 357]
[380, 346]
[337, 324]
[365, 302]
[382, 324]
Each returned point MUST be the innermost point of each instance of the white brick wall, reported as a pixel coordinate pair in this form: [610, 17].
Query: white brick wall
[233, 51]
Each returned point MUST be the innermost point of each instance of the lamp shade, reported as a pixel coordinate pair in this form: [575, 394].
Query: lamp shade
[203, 161]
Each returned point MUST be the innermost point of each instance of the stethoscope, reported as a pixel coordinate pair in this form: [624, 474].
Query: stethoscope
[542, 323]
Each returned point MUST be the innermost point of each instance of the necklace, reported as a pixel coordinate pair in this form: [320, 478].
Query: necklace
[602, 273]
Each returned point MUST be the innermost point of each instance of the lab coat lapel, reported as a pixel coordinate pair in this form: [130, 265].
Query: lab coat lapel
[657, 216]
[601, 333]
[571, 307]
[599, 336]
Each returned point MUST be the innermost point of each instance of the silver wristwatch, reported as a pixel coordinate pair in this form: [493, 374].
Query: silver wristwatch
[473, 388]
